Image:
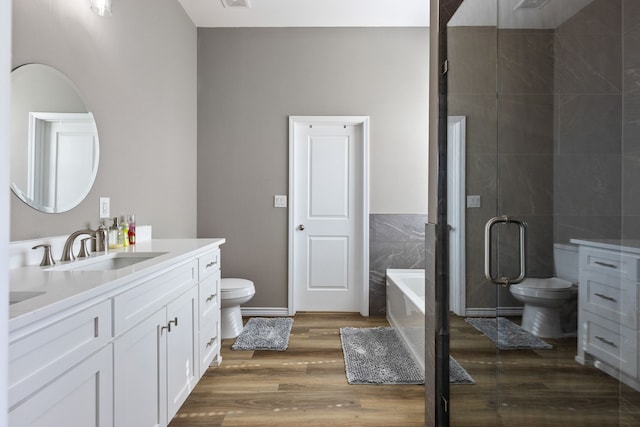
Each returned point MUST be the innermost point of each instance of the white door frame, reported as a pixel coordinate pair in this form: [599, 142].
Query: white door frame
[456, 203]
[362, 121]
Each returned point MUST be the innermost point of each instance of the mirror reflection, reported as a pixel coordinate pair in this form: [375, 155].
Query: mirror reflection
[54, 140]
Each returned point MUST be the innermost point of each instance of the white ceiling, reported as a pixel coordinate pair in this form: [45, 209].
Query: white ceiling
[374, 13]
[310, 13]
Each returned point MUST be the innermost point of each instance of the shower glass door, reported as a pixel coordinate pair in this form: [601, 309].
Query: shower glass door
[550, 95]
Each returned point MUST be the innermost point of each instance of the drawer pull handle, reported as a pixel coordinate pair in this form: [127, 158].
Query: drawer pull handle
[211, 341]
[608, 298]
[210, 297]
[168, 327]
[211, 264]
[604, 264]
[174, 321]
[611, 343]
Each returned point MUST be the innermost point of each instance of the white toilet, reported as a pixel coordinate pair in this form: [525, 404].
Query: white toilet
[544, 298]
[233, 293]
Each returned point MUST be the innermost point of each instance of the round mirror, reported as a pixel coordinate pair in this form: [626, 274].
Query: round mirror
[54, 140]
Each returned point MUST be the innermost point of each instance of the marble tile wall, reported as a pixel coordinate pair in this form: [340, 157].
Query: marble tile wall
[395, 241]
[590, 167]
[560, 144]
[509, 144]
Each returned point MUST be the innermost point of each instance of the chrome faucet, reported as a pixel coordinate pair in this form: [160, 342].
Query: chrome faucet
[67, 251]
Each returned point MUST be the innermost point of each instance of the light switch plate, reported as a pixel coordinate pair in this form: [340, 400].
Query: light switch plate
[279, 201]
[473, 201]
[105, 207]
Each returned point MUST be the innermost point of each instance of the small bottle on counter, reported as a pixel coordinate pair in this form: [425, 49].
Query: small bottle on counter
[132, 229]
[124, 225]
[102, 237]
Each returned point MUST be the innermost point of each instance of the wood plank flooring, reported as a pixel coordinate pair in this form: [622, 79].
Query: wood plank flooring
[542, 388]
[306, 385]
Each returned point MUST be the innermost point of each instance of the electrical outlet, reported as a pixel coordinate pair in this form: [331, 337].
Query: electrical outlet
[105, 207]
[279, 201]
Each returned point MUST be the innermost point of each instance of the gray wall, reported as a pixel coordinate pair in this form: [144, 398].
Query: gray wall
[251, 80]
[137, 71]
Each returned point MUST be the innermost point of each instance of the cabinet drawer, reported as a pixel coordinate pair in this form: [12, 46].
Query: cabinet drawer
[208, 264]
[38, 357]
[611, 343]
[209, 294]
[610, 263]
[136, 304]
[209, 340]
[614, 300]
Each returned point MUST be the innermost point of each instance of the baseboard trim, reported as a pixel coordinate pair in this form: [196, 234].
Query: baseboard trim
[264, 311]
[492, 312]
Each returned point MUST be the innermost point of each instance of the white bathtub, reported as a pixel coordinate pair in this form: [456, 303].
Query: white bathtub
[405, 308]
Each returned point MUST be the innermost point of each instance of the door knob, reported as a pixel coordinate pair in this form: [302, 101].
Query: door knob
[301, 227]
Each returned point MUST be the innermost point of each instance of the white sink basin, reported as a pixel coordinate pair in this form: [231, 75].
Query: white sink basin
[19, 296]
[114, 261]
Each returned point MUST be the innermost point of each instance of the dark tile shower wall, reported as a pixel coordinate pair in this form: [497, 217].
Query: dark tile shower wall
[395, 241]
[592, 158]
[567, 126]
[512, 133]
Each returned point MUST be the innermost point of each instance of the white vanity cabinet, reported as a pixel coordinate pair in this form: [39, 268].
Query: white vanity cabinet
[60, 372]
[608, 310]
[156, 360]
[128, 355]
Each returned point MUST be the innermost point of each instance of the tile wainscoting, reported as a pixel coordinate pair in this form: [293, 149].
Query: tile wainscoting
[395, 241]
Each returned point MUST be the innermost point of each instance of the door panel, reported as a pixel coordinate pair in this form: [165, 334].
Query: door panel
[329, 177]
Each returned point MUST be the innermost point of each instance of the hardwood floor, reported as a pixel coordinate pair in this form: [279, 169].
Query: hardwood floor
[306, 385]
[542, 388]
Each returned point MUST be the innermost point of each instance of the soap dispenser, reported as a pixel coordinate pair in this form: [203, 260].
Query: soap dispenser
[115, 233]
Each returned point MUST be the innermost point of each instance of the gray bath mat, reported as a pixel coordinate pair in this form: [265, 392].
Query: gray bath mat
[261, 333]
[378, 356]
[457, 374]
[506, 334]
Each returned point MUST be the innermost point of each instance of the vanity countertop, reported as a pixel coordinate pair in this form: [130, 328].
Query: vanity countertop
[632, 246]
[65, 289]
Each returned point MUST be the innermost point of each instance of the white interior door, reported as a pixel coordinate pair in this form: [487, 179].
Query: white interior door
[327, 218]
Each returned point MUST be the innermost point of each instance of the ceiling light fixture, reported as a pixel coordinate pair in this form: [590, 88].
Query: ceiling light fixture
[101, 7]
[236, 3]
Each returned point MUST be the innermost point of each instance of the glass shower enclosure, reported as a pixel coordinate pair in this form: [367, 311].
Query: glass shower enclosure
[543, 151]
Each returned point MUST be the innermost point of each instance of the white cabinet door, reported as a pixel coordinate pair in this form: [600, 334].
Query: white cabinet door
[182, 350]
[82, 396]
[139, 377]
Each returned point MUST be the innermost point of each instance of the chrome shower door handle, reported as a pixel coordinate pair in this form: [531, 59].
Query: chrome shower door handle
[522, 228]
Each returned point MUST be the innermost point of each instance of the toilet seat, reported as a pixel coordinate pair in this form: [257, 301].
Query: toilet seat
[551, 287]
[236, 288]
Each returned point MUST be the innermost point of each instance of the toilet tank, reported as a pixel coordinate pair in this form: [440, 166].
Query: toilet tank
[565, 258]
